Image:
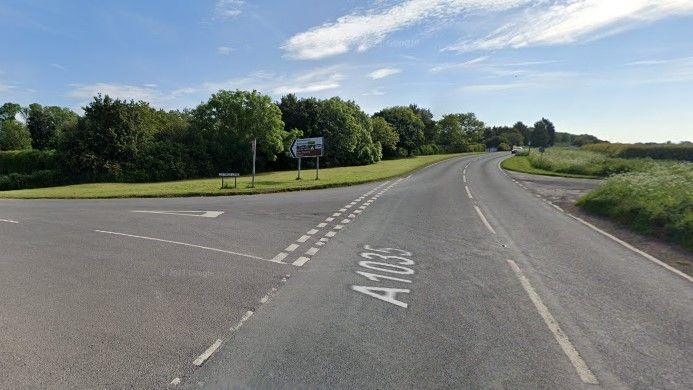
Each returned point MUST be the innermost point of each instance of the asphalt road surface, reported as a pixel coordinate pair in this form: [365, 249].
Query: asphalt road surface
[453, 277]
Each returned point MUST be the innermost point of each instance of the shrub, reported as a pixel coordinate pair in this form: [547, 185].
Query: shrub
[27, 161]
[656, 201]
[43, 178]
[584, 162]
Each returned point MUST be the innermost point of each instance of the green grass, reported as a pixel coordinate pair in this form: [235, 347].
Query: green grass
[656, 201]
[522, 164]
[264, 183]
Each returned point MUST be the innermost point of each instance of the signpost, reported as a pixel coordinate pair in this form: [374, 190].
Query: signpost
[229, 174]
[254, 146]
[307, 147]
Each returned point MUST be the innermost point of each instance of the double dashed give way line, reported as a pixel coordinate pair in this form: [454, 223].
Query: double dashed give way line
[330, 226]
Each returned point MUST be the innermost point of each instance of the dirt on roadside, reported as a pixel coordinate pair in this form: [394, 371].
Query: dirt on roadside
[564, 192]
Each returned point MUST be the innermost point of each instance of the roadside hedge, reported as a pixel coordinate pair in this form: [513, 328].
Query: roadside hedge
[42, 178]
[27, 161]
[682, 152]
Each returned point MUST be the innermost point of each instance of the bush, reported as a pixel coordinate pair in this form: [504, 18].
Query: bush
[476, 148]
[27, 161]
[656, 201]
[584, 162]
[682, 152]
[43, 178]
[504, 147]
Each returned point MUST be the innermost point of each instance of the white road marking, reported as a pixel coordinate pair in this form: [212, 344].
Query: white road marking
[464, 178]
[362, 207]
[300, 261]
[320, 243]
[336, 214]
[303, 238]
[203, 358]
[483, 219]
[469, 194]
[196, 213]
[338, 227]
[312, 231]
[175, 382]
[248, 314]
[358, 211]
[352, 216]
[345, 221]
[8, 220]
[312, 251]
[343, 210]
[348, 206]
[279, 257]
[185, 244]
[567, 347]
[331, 233]
[330, 219]
[634, 249]
[324, 239]
[322, 224]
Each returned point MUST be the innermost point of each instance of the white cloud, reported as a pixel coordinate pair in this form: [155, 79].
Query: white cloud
[116, 91]
[383, 72]
[228, 8]
[5, 87]
[317, 80]
[58, 66]
[567, 21]
[374, 92]
[224, 50]
[362, 31]
[457, 65]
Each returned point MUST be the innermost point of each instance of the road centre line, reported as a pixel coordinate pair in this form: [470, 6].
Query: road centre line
[312, 231]
[206, 354]
[322, 224]
[303, 238]
[301, 261]
[331, 233]
[291, 247]
[483, 219]
[634, 249]
[329, 219]
[8, 220]
[312, 251]
[338, 227]
[464, 178]
[580, 366]
[186, 244]
[279, 257]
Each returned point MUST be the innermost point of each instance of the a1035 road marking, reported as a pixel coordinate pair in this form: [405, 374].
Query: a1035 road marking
[385, 265]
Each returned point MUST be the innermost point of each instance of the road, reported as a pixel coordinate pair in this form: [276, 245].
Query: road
[452, 277]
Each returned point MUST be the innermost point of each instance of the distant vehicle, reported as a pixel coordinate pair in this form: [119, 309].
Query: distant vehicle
[517, 149]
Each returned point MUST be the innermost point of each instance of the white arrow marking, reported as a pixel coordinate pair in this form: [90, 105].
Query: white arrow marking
[204, 214]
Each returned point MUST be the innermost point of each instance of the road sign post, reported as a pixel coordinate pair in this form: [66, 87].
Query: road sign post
[254, 145]
[229, 174]
[307, 147]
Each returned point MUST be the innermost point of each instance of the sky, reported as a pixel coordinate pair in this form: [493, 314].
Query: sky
[619, 69]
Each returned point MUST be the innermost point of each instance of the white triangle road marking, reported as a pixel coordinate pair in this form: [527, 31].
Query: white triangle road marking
[197, 213]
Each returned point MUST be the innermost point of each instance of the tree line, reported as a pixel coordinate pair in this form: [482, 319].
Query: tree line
[120, 140]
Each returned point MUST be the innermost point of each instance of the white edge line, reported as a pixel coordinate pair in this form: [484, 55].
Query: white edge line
[8, 220]
[186, 244]
[469, 194]
[580, 366]
[206, 354]
[483, 219]
[634, 249]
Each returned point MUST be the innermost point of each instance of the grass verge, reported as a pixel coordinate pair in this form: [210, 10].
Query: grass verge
[264, 182]
[657, 201]
[522, 164]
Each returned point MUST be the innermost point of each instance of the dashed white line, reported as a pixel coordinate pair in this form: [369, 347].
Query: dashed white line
[331, 233]
[248, 314]
[322, 224]
[303, 238]
[338, 227]
[312, 251]
[352, 216]
[464, 178]
[336, 214]
[483, 219]
[301, 261]
[345, 221]
[203, 358]
[279, 257]
[175, 382]
[312, 231]
[185, 244]
[580, 366]
[8, 220]
[329, 219]
[358, 211]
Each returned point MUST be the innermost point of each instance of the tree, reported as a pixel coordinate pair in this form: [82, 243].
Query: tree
[230, 120]
[523, 130]
[539, 136]
[14, 135]
[550, 130]
[384, 133]
[9, 111]
[47, 123]
[407, 124]
[430, 128]
[452, 136]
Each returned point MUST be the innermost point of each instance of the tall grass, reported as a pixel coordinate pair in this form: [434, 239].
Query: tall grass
[656, 151]
[657, 200]
[584, 162]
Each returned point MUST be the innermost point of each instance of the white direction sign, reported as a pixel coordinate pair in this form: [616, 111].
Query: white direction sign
[307, 147]
[203, 214]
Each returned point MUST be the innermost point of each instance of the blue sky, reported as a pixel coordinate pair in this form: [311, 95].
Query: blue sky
[622, 70]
